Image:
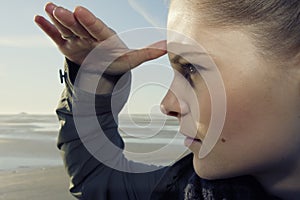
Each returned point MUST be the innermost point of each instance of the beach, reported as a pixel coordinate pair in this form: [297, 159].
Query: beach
[47, 183]
[31, 166]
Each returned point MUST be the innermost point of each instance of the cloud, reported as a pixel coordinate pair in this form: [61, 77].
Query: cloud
[142, 9]
[27, 41]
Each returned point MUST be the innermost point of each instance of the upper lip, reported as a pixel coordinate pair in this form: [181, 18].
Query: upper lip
[194, 138]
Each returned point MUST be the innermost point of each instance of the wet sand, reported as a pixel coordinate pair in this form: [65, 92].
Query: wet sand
[31, 167]
[35, 184]
[51, 183]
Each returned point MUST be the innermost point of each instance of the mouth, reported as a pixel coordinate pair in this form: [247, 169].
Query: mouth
[194, 139]
[191, 140]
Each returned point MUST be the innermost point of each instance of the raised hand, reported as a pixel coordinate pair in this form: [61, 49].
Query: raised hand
[78, 33]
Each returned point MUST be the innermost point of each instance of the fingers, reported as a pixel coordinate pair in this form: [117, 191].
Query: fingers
[81, 23]
[93, 25]
[49, 29]
[137, 57]
[49, 8]
[68, 21]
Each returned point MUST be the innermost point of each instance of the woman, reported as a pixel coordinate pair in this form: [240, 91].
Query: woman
[255, 45]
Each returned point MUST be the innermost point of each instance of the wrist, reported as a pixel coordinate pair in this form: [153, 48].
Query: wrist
[94, 83]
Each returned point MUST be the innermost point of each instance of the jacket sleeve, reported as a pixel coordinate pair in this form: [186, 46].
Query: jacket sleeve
[92, 148]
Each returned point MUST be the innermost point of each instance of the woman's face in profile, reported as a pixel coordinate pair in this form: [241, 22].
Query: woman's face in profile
[261, 129]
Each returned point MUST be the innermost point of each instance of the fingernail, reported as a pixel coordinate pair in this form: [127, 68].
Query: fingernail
[49, 7]
[36, 18]
[78, 9]
[58, 11]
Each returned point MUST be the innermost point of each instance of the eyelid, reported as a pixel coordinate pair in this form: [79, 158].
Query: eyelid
[191, 65]
[200, 67]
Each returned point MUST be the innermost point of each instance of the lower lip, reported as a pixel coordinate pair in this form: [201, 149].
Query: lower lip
[189, 141]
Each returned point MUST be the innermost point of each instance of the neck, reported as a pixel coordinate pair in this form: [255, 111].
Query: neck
[284, 182]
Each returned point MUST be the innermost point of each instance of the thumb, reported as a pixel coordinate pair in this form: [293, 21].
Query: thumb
[151, 52]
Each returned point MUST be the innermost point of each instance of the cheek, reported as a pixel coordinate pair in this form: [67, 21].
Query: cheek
[241, 112]
[204, 105]
[251, 102]
[257, 130]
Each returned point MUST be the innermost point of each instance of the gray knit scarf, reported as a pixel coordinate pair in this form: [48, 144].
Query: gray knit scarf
[240, 188]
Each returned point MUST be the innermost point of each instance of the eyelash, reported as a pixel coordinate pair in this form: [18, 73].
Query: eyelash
[189, 69]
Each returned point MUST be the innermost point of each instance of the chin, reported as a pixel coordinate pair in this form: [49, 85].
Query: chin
[211, 170]
[207, 174]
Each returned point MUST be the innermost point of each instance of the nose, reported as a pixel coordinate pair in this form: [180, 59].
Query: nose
[172, 105]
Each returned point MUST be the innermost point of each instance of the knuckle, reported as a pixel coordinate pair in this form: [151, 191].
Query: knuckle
[148, 53]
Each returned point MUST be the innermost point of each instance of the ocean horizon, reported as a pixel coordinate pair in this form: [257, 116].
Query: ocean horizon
[29, 140]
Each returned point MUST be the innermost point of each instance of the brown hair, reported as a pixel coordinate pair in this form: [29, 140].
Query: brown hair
[274, 24]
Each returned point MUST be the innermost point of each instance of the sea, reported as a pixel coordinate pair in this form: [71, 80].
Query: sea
[29, 140]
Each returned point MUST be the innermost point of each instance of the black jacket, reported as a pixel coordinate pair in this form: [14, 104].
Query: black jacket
[90, 179]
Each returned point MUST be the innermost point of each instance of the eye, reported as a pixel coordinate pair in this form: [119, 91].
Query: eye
[189, 68]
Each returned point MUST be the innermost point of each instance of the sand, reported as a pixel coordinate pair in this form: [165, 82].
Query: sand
[31, 167]
[35, 184]
[44, 183]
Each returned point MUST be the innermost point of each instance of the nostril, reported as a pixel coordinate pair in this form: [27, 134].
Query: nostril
[168, 112]
[173, 114]
[172, 106]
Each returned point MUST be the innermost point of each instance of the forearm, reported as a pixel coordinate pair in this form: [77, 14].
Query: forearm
[95, 83]
[77, 106]
[92, 152]
[91, 82]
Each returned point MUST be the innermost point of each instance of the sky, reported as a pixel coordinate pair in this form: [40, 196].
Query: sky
[30, 61]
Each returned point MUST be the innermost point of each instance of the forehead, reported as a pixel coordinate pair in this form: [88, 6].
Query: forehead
[185, 52]
[178, 10]
[184, 19]
[184, 3]
[192, 32]
[189, 9]
[225, 46]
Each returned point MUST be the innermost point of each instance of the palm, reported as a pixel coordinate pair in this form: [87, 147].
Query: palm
[78, 34]
[77, 51]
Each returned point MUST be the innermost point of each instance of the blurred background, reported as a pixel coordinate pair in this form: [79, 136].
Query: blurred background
[30, 61]
[30, 163]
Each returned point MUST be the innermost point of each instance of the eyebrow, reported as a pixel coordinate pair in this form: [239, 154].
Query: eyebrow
[176, 58]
